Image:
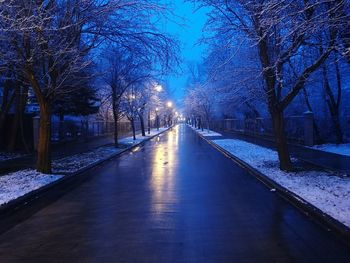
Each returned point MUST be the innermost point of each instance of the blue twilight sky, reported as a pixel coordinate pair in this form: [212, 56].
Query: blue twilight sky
[188, 36]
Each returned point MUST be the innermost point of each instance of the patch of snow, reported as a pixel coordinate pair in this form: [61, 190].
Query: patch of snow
[206, 132]
[76, 162]
[19, 183]
[331, 194]
[4, 156]
[342, 149]
[209, 133]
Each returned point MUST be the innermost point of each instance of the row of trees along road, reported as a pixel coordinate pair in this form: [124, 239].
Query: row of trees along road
[48, 45]
[273, 49]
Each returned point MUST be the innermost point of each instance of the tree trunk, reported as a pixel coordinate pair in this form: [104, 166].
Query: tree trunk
[115, 107]
[133, 128]
[142, 122]
[116, 133]
[281, 141]
[44, 144]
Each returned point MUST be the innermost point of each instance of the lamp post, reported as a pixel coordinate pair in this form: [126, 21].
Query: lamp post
[169, 105]
[158, 88]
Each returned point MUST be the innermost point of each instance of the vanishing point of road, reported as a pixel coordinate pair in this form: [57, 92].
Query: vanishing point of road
[176, 199]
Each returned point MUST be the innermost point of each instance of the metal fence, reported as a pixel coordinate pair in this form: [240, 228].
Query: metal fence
[263, 127]
[73, 130]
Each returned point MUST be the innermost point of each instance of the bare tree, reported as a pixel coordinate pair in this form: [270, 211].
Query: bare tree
[281, 32]
[52, 40]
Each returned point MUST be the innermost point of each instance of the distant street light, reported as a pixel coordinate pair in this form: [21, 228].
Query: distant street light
[169, 104]
[158, 88]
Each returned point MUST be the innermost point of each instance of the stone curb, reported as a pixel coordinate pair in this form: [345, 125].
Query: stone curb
[323, 219]
[68, 180]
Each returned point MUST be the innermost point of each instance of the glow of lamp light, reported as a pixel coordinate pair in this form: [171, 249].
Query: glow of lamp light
[158, 88]
[169, 104]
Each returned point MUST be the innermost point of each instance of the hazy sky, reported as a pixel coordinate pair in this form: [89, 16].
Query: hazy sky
[188, 36]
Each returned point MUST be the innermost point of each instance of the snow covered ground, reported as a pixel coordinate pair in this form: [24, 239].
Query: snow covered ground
[206, 132]
[4, 156]
[17, 184]
[209, 133]
[343, 149]
[76, 162]
[328, 192]
[130, 141]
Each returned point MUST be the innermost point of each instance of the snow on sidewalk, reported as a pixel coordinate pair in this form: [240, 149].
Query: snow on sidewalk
[130, 140]
[206, 132]
[76, 162]
[331, 194]
[4, 156]
[17, 184]
[342, 149]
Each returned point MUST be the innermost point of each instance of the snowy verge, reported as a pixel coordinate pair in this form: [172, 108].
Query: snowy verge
[342, 149]
[17, 184]
[5, 156]
[74, 163]
[206, 132]
[331, 194]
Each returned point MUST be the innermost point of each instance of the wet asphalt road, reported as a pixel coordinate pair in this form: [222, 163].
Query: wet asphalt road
[174, 200]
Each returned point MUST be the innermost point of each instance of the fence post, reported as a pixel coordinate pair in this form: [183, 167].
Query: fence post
[36, 123]
[308, 128]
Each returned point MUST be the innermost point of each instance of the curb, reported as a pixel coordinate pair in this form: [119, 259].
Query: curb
[317, 215]
[56, 188]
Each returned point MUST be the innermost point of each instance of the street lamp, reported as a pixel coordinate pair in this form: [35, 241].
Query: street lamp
[169, 104]
[158, 88]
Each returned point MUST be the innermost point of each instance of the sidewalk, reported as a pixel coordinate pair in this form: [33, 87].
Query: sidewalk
[326, 160]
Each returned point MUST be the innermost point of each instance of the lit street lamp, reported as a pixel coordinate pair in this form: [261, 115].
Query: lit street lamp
[158, 88]
[169, 105]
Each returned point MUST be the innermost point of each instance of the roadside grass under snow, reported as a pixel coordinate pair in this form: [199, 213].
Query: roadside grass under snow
[329, 193]
[76, 162]
[206, 132]
[4, 156]
[17, 184]
[342, 149]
